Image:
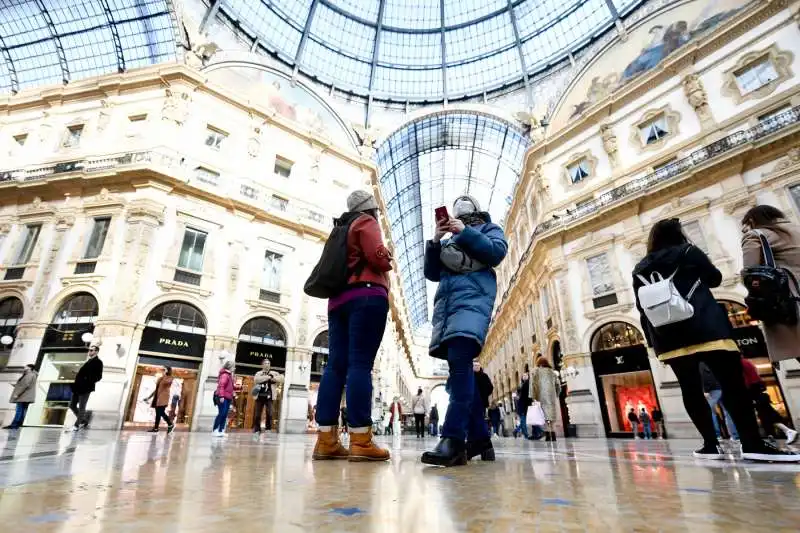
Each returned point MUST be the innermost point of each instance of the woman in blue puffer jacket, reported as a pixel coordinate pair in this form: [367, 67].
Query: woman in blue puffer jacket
[464, 268]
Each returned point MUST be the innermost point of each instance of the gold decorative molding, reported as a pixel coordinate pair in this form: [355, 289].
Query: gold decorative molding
[781, 60]
[673, 119]
[591, 163]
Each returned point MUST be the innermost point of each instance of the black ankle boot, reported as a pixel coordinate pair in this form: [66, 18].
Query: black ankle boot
[483, 448]
[552, 436]
[547, 436]
[449, 452]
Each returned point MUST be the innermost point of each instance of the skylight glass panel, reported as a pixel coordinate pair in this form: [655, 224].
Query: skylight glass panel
[459, 12]
[342, 34]
[359, 8]
[411, 14]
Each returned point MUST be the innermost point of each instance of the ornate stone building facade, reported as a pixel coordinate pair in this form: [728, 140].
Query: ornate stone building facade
[702, 123]
[172, 218]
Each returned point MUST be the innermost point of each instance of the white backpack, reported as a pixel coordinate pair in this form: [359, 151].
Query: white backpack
[661, 301]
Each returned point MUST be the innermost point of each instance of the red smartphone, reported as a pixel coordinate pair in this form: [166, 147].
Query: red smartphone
[441, 214]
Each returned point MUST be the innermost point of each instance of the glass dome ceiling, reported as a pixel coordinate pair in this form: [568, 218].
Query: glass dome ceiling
[422, 50]
[46, 42]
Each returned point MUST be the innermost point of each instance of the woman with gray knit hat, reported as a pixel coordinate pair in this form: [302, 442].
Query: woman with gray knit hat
[463, 265]
[356, 322]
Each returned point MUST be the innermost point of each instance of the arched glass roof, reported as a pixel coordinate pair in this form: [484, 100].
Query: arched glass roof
[428, 50]
[429, 163]
[45, 42]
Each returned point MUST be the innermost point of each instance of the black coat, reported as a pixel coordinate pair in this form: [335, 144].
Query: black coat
[484, 386]
[710, 320]
[89, 374]
[434, 416]
[523, 397]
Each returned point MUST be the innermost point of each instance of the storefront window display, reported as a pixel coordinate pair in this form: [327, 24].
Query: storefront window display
[10, 315]
[319, 358]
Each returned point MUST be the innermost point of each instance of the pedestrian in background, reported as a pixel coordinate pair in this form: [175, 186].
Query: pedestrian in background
[89, 374]
[545, 388]
[23, 394]
[419, 406]
[224, 394]
[159, 400]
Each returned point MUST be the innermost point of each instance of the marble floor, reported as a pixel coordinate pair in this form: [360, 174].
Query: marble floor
[118, 482]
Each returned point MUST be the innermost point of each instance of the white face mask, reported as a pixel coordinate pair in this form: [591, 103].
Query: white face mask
[463, 207]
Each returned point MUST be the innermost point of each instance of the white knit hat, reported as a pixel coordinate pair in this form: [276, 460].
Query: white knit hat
[361, 201]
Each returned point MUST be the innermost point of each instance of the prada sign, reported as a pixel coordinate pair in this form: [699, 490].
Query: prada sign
[172, 342]
[252, 353]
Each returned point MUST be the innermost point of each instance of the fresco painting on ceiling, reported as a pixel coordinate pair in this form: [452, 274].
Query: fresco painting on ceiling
[660, 39]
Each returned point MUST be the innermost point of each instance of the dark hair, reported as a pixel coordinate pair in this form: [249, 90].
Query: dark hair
[419, 391]
[31, 366]
[666, 233]
[543, 362]
[168, 370]
[762, 215]
[371, 212]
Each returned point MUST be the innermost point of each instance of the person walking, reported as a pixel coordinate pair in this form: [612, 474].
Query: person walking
[523, 402]
[706, 336]
[658, 420]
[633, 418]
[783, 236]
[395, 410]
[159, 400]
[225, 397]
[769, 417]
[463, 266]
[494, 418]
[713, 393]
[434, 420]
[420, 406]
[484, 389]
[356, 323]
[266, 390]
[23, 394]
[644, 419]
[545, 388]
[89, 374]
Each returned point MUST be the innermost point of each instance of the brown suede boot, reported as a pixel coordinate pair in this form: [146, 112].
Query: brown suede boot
[362, 448]
[328, 446]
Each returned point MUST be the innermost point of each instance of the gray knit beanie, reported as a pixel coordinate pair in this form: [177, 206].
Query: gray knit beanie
[361, 201]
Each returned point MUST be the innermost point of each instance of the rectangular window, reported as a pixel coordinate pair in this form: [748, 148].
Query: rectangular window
[271, 274]
[695, 234]
[794, 191]
[28, 244]
[194, 244]
[544, 297]
[206, 176]
[72, 139]
[755, 75]
[283, 167]
[276, 202]
[215, 138]
[97, 238]
[600, 275]
[654, 130]
[579, 170]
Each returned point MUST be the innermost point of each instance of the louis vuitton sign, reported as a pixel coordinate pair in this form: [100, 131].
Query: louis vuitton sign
[252, 353]
[172, 342]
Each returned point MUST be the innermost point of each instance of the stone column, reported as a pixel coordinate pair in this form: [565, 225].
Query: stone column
[295, 391]
[63, 223]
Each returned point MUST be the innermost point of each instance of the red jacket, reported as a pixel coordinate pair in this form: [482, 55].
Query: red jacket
[225, 384]
[365, 247]
[751, 376]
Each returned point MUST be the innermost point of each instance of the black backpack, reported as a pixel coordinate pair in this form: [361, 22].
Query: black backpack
[769, 290]
[331, 274]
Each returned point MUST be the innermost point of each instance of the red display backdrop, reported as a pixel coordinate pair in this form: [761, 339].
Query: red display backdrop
[635, 397]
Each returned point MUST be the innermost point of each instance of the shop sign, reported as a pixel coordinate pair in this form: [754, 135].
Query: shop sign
[252, 353]
[621, 360]
[751, 341]
[172, 342]
[64, 336]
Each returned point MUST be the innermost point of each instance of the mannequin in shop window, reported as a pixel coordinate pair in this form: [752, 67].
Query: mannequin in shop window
[265, 391]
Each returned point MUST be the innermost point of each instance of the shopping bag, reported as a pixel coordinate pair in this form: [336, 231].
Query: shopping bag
[535, 415]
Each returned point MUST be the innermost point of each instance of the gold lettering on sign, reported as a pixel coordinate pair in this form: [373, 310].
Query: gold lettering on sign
[261, 355]
[68, 336]
[173, 342]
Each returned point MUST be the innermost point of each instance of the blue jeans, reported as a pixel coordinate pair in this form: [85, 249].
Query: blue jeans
[648, 433]
[355, 330]
[523, 424]
[714, 398]
[222, 414]
[19, 416]
[464, 418]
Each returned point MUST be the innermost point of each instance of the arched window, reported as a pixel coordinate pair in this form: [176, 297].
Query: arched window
[80, 308]
[738, 315]
[616, 335]
[320, 344]
[10, 312]
[177, 316]
[263, 330]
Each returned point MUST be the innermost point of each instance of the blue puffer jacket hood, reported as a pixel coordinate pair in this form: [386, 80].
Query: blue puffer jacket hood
[463, 303]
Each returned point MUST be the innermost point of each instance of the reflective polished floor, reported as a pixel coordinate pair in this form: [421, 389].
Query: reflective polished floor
[119, 482]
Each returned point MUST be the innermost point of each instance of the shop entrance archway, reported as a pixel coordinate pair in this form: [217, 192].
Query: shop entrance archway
[753, 346]
[174, 336]
[623, 376]
[259, 338]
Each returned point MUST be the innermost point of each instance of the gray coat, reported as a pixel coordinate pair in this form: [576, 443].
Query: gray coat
[545, 387]
[25, 388]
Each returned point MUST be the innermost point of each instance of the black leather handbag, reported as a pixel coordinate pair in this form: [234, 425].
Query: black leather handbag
[771, 290]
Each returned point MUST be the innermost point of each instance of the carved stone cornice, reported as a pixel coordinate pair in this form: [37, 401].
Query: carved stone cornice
[175, 287]
[267, 306]
[147, 211]
[104, 201]
[81, 279]
[37, 209]
[64, 221]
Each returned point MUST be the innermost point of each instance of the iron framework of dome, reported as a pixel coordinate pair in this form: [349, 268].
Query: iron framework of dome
[46, 42]
[421, 50]
[428, 163]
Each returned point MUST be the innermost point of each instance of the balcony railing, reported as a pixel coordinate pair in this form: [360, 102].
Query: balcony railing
[240, 188]
[662, 175]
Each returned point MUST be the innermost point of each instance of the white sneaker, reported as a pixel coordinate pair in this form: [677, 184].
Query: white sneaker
[791, 436]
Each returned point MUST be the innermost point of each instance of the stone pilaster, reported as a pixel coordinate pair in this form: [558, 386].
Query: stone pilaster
[62, 224]
[295, 392]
